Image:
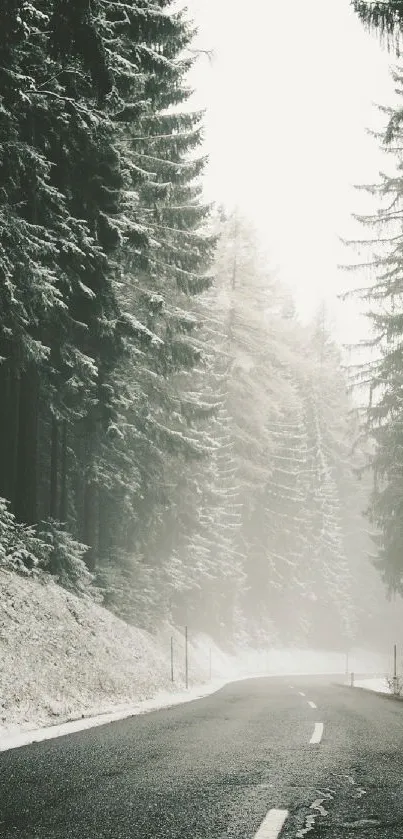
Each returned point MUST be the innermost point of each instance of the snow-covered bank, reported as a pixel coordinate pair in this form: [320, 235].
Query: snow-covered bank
[13, 739]
[67, 659]
[63, 658]
[301, 662]
[380, 685]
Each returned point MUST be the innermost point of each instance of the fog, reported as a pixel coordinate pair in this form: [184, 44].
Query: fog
[290, 93]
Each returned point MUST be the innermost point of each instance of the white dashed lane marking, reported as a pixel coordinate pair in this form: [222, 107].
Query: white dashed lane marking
[272, 825]
[312, 704]
[301, 693]
[317, 734]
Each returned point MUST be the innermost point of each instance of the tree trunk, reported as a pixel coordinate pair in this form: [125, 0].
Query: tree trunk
[90, 499]
[9, 419]
[14, 435]
[26, 467]
[104, 542]
[63, 475]
[4, 430]
[78, 483]
[90, 522]
[54, 468]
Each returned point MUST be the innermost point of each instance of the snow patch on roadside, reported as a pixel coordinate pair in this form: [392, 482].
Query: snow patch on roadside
[380, 685]
[16, 739]
[303, 662]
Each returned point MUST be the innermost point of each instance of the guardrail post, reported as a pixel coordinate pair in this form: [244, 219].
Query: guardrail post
[186, 659]
[395, 690]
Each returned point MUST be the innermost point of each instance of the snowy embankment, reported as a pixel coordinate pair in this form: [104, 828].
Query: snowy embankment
[380, 685]
[63, 658]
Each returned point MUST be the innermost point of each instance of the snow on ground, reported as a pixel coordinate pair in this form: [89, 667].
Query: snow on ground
[67, 659]
[302, 662]
[64, 658]
[13, 739]
[380, 685]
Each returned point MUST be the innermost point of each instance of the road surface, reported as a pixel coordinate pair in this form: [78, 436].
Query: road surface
[288, 757]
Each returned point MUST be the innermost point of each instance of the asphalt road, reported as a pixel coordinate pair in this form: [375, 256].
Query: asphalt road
[213, 768]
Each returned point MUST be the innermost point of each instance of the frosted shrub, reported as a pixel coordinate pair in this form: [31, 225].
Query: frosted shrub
[65, 559]
[395, 685]
[21, 548]
[47, 548]
[6, 531]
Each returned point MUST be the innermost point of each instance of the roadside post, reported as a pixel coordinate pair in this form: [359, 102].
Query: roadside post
[352, 680]
[347, 663]
[186, 659]
[172, 658]
[395, 690]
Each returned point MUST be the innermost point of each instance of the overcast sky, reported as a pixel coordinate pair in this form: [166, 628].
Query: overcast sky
[289, 96]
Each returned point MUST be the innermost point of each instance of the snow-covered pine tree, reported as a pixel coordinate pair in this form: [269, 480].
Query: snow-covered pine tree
[47, 251]
[240, 335]
[211, 548]
[385, 17]
[167, 249]
[383, 371]
[282, 579]
[288, 454]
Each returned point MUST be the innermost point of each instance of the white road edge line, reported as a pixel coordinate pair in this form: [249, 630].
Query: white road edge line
[312, 704]
[272, 825]
[301, 693]
[317, 734]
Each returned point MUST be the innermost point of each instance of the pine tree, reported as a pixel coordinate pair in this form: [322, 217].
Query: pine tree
[43, 245]
[166, 252]
[290, 448]
[382, 373]
[383, 16]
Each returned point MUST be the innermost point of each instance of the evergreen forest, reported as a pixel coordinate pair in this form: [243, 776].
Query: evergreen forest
[174, 441]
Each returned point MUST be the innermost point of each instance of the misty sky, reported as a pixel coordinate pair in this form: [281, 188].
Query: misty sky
[289, 96]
